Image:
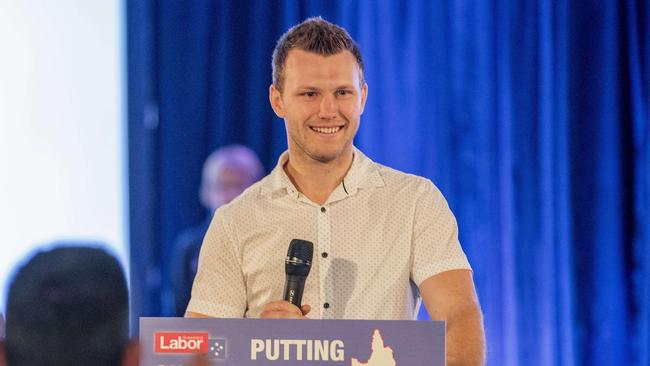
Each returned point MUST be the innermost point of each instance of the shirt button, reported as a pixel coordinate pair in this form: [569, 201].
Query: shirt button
[322, 209]
[326, 305]
[324, 254]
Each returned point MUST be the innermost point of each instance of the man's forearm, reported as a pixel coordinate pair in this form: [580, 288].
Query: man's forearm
[466, 338]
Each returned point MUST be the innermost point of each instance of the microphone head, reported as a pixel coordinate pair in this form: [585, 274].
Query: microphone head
[299, 256]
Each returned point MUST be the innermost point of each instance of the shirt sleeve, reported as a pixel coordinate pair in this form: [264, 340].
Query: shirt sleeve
[219, 290]
[436, 248]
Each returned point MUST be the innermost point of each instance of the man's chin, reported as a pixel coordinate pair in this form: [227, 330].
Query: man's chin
[324, 154]
[327, 157]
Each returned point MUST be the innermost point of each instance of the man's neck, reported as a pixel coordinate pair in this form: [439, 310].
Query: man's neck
[317, 180]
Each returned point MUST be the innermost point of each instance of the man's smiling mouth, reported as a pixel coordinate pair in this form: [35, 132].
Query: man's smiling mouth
[326, 130]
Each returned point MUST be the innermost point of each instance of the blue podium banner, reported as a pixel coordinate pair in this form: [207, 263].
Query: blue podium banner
[264, 342]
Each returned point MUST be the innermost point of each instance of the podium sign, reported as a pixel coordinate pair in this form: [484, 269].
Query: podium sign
[264, 342]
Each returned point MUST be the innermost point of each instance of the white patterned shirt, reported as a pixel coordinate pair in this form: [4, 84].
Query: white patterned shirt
[378, 236]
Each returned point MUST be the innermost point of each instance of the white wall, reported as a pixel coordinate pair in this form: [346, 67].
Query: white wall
[62, 126]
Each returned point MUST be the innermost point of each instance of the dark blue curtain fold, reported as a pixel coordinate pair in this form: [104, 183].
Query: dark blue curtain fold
[533, 118]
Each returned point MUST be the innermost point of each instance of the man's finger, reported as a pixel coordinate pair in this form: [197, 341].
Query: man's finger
[267, 314]
[305, 309]
[282, 306]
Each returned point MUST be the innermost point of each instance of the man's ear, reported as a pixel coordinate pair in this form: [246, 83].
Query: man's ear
[364, 96]
[131, 354]
[275, 97]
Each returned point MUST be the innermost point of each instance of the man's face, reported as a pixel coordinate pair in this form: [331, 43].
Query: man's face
[321, 104]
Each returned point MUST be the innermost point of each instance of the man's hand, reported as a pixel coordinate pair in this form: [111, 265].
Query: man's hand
[284, 310]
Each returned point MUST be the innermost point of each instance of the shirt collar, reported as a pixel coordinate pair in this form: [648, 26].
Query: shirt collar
[364, 173]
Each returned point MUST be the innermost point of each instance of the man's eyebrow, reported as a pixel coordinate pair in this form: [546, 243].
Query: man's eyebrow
[313, 88]
[310, 88]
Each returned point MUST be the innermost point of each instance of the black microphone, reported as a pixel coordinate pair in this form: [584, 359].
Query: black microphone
[297, 266]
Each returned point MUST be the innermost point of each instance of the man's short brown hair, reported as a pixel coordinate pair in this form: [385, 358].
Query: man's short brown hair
[313, 35]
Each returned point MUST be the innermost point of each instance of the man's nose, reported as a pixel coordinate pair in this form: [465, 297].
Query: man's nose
[329, 107]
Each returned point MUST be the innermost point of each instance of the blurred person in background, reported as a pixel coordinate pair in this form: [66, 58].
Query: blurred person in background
[227, 172]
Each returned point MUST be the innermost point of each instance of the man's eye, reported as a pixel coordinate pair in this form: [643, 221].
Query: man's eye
[343, 92]
[309, 94]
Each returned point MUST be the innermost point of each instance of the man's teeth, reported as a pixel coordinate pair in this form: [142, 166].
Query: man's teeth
[326, 130]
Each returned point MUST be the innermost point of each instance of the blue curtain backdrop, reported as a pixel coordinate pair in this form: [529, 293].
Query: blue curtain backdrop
[531, 116]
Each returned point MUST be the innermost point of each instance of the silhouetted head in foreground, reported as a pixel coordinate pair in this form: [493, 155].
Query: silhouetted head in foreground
[67, 306]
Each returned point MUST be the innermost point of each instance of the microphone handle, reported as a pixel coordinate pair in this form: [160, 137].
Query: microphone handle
[293, 288]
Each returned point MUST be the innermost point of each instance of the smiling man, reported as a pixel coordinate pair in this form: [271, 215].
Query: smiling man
[384, 240]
